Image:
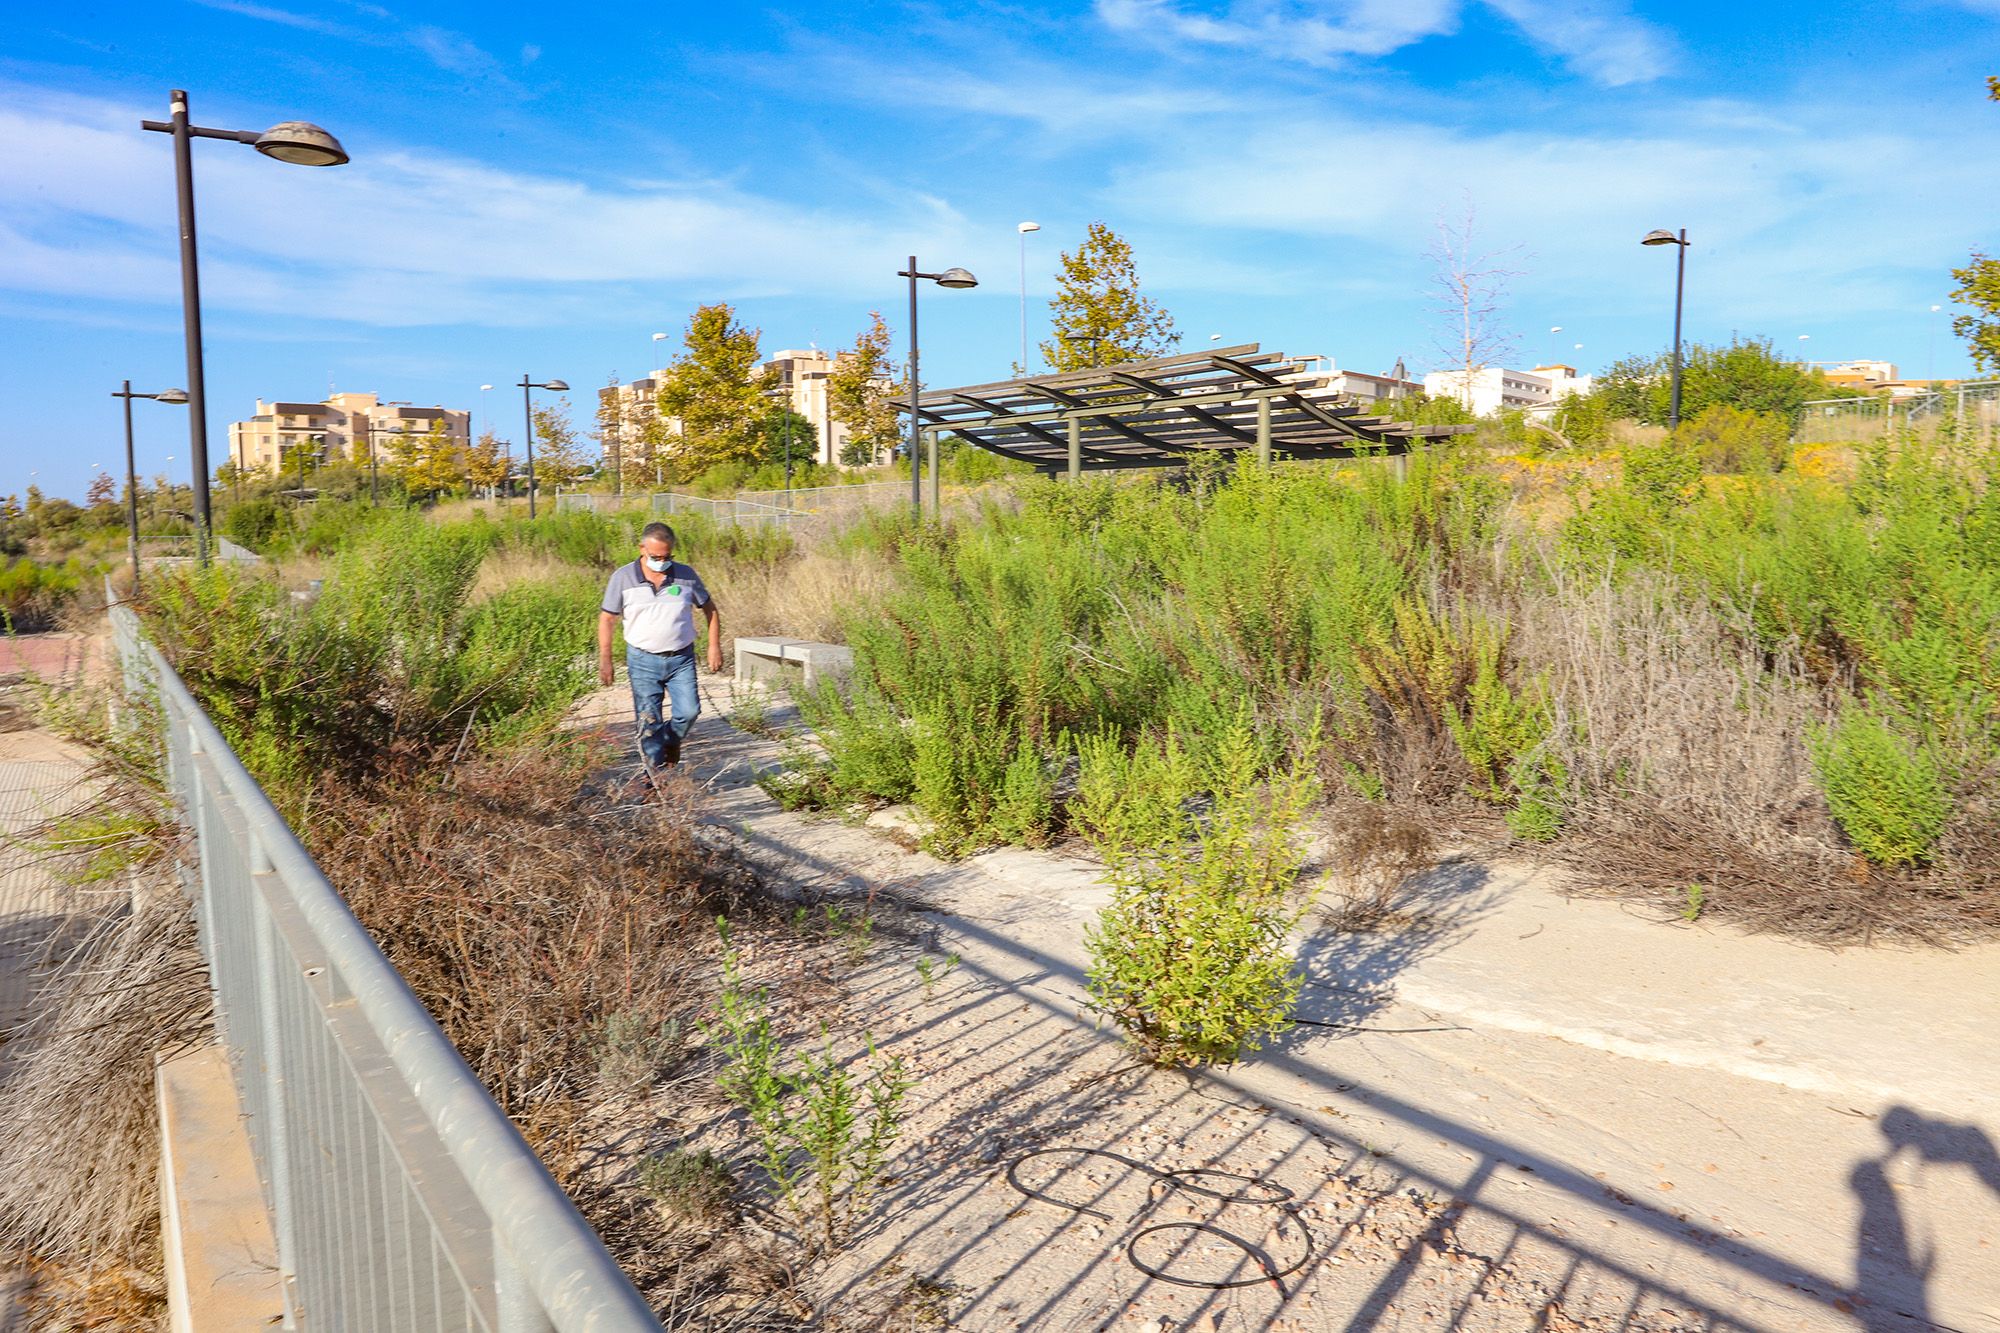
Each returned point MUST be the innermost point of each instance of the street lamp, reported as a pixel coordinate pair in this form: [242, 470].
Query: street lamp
[1657, 237]
[1024, 228]
[658, 337]
[951, 277]
[293, 141]
[528, 386]
[178, 396]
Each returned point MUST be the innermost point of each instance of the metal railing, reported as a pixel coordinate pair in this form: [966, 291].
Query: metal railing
[1834, 419]
[401, 1196]
[835, 499]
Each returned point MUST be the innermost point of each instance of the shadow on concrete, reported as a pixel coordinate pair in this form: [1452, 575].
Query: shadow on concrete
[1891, 1275]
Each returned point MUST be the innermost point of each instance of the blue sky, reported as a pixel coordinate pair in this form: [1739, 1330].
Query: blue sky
[541, 189]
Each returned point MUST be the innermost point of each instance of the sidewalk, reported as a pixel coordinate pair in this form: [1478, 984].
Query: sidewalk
[1747, 1131]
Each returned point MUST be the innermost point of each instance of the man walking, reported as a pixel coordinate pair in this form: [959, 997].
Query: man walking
[656, 598]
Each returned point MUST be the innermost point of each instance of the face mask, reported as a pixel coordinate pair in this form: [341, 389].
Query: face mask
[657, 566]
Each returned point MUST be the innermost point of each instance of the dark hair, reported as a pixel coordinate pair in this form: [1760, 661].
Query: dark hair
[660, 530]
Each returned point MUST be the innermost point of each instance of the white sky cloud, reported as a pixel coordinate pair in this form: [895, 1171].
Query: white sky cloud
[402, 237]
[1596, 38]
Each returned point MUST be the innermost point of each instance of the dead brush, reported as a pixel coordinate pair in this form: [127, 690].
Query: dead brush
[526, 923]
[1375, 851]
[79, 1135]
[1686, 778]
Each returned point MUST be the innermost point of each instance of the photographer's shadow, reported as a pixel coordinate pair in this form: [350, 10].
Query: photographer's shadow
[1891, 1276]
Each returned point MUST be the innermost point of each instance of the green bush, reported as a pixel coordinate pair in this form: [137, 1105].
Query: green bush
[33, 593]
[1887, 795]
[260, 524]
[1191, 956]
[392, 668]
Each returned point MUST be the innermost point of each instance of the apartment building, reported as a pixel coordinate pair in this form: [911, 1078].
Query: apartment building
[1499, 389]
[343, 426]
[1358, 385]
[1864, 375]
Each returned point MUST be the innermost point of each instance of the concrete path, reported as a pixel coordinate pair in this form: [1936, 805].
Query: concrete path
[1744, 1131]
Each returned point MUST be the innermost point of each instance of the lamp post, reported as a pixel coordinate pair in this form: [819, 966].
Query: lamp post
[132, 473]
[657, 338]
[951, 277]
[528, 386]
[293, 141]
[1024, 228]
[1658, 237]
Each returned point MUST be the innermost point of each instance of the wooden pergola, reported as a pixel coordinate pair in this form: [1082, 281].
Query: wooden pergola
[1163, 412]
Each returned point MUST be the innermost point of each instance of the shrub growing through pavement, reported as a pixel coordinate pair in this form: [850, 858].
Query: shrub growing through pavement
[1191, 956]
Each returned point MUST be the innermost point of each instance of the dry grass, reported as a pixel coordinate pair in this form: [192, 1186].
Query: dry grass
[1687, 783]
[79, 1135]
[565, 942]
[805, 597]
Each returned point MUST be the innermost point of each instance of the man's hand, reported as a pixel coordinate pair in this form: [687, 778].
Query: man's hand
[604, 671]
[714, 658]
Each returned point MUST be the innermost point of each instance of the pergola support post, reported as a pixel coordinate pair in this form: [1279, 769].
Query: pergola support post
[1075, 449]
[937, 500]
[1263, 432]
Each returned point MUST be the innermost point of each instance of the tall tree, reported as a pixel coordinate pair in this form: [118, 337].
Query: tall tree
[558, 456]
[714, 386]
[1468, 293]
[861, 391]
[428, 464]
[486, 462]
[611, 430]
[1098, 316]
[103, 492]
[1979, 287]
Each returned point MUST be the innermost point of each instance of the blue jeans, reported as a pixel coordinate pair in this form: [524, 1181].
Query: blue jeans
[654, 675]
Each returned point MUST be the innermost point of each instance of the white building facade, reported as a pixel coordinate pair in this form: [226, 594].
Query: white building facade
[1494, 389]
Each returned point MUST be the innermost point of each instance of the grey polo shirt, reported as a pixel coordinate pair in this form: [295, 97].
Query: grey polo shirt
[657, 620]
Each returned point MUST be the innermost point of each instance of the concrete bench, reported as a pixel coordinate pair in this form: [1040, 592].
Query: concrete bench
[792, 661]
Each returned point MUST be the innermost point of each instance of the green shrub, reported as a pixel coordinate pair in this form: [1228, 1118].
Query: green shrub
[260, 524]
[33, 594]
[393, 667]
[824, 1131]
[1887, 795]
[1191, 956]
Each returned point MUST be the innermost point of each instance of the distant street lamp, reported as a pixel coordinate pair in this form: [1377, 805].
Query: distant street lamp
[951, 277]
[293, 141]
[131, 472]
[528, 386]
[657, 338]
[1024, 228]
[1657, 237]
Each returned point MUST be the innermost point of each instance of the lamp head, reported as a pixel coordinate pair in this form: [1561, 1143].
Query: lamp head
[303, 143]
[1658, 237]
[556, 386]
[956, 277]
[1028, 226]
[171, 396]
[484, 387]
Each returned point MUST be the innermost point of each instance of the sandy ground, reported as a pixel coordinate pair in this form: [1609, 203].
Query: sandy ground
[1531, 1112]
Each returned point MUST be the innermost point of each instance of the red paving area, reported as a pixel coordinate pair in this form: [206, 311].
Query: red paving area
[46, 655]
